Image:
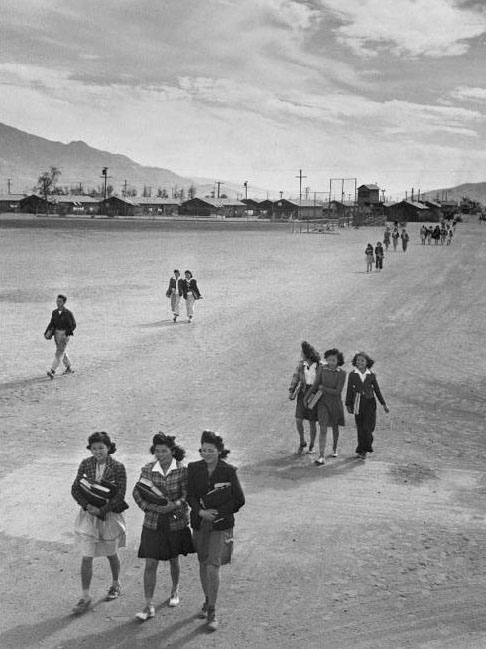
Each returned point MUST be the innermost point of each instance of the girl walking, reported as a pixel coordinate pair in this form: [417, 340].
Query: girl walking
[215, 495]
[330, 381]
[386, 237]
[99, 529]
[395, 236]
[370, 260]
[302, 381]
[165, 531]
[379, 256]
[190, 292]
[360, 401]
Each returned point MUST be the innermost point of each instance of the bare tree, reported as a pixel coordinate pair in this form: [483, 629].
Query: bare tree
[191, 192]
[46, 184]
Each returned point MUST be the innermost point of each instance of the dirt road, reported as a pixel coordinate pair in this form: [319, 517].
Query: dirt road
[386, 554]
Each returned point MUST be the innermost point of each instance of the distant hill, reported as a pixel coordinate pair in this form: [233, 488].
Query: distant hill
[474, 191]
[24, 156]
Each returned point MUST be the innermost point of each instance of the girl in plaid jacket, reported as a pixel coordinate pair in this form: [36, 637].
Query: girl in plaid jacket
[165, 533]
[100, 529]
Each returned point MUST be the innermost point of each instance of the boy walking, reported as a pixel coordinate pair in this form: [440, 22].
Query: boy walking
[61, 327]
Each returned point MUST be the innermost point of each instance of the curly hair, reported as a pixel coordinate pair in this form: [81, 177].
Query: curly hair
[100, 437]
[161, 439]
[337, 353]
[208, 437]
[310, 352]
[369, 361]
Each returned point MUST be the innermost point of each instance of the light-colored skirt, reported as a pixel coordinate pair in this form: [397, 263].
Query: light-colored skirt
[99, 538]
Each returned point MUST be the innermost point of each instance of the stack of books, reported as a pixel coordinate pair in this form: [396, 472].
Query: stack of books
[150, 492]
[220, 495]
[97, 493]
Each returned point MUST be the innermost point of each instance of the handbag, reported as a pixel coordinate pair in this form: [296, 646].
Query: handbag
[48, 334]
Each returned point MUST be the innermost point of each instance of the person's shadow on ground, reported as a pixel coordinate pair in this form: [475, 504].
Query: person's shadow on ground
[302, 468]
[123, 636]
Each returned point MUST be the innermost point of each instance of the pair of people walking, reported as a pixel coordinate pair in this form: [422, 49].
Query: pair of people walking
[318, 387]
[165, 492]
[186, 288]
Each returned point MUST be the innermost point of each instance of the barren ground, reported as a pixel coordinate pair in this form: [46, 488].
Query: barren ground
[387, 554]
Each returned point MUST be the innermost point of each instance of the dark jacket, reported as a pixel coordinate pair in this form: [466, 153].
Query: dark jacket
[173, 285]
[114, 472]
[190, 285]
[64, 320]
[199, 483]
[368, 388]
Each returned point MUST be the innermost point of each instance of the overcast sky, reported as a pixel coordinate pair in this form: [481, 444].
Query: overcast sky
[390, 91]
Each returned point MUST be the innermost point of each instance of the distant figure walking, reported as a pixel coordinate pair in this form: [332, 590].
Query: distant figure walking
[300, 385]
[436, 234]
[174, 292]
[330, 381]
[61, 327]
[450, 234]
[99, 528]
[443, 234]
[395, 236]
[423, 234]
[191, 293]
[370, 259]
[430, 231]
[379, 256]
[360, 401]
[386, 237]
[405, 239]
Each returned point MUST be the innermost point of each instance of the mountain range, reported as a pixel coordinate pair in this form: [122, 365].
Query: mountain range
[23, 157]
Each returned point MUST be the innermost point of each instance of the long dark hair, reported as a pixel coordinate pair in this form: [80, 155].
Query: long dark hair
[208, 437]
[310, 352]
[161, 439]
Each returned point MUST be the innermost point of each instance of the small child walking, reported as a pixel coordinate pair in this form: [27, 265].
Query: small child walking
[370, 259]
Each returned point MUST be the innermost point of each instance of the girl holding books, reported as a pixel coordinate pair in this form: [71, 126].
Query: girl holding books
[330, 379]
[161, 494]
[215, 495]
[360, 401]
[302, 380]
[99, 489]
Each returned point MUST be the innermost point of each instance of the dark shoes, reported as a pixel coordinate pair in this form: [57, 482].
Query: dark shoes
[113, 593]
[50, 373]
[82, 606]
[68, 370]
[203, 613]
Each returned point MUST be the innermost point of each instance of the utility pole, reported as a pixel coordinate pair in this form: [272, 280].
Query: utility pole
[9, 183]
[300, 177]
[245, 185]
[281, 194]
[219, 183]
[125, 188]
[104, 174]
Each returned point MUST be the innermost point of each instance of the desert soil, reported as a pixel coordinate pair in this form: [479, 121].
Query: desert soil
[386, 554]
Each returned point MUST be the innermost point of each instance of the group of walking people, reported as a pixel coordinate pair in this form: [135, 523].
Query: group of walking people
[317, 386]
[394, 235]
[187, 509]
[441, 233]
[186, 288]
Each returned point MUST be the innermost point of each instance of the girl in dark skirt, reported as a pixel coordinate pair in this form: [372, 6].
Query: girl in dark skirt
[165, 533]
[330, 380]
[360, 401]
[302, 381]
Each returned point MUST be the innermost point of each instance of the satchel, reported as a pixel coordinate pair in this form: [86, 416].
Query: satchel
[217, 497]
[48, 334]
